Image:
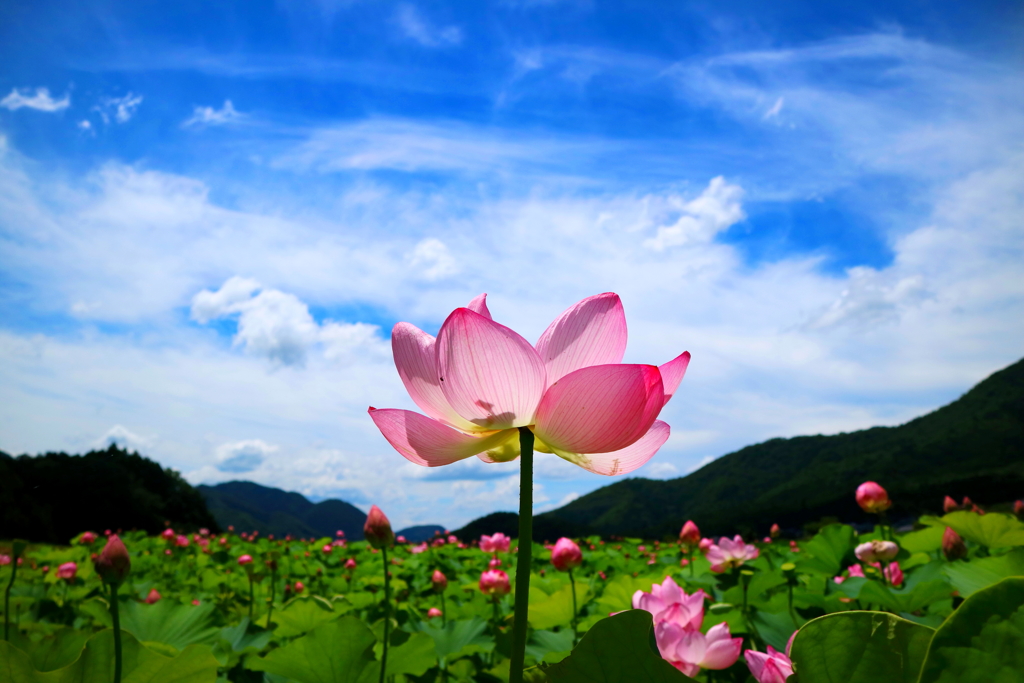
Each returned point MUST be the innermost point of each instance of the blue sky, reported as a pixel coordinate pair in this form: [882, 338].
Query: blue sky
[823, 202]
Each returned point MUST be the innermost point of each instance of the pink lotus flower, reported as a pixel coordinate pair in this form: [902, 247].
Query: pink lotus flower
[690, 650]
[182, 541]
[872, 498]
[479, 381]
[350, 563]
[154, 596]
[168, 534]
[433, 612]
[494, 582]
[87, 538]
[669, 603]
[245, 559]
[377, 530]
[339, 533]
[299, 587]
[494, 563]
[438, 581]
[326, 550]
[4, 560]
[893, 574]
[195, 602]
[775, 531]
[730, 553]
[856, 570]
[705, 545]
[876, 550]
[1018, 508]
[417, 549]
[67, 571]
[400, 539]
[689, 534]
[566, 555]
[774, 667]
[498, 543]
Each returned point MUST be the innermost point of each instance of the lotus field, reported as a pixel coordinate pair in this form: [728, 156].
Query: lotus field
[936, 603]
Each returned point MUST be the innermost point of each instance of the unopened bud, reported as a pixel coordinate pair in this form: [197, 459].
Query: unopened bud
[953, 546]
[113, 564]
[439, 581]
[377, 529]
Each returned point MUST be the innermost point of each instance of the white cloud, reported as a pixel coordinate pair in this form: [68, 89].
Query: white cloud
[700, 219]
[208, 116]
[40, 101]
[85, 124]
[661, 470]
[706, 460]
[121, 436]
[278, 326]
[415, 27]
[243, 456]
[432, 258]
[121, 109]
[775, 109]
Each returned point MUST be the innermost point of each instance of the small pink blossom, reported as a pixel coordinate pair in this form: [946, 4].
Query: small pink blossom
[168, 534]
[566, 555]
[350, 563]
[494, 582]
[299, 587]
[893, 574]
[433, 612]
[87, 538]
[705, 545]
[181, 541]
[438, 581]
[417, 549]
[872, 498]
[498, 543]
[245, 559]
[856, 570]
[494, 563]
[195, 602]
[689, 534]
[67, 571]
[154, 596]
[326, 550]
[730, 553]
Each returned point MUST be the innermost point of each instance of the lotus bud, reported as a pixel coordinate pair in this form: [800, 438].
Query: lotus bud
[326, 550]
[299, 587]
[775, 531]
[339, 533]
[439, 581]
[433, 612]
[182, 541]
[953, 546]
[566, 555]
[874, 551]
[893, 574]
[245, 560]
[494, 583]
[949, 505]
[167, 534]
[494, 563]
[67, 571]
[872, 498]
[689, 535]
[153, 596]
[113, 564]
[705, 544]
[377, 529]
[87, 538]
[1018, 508]
[350, 563]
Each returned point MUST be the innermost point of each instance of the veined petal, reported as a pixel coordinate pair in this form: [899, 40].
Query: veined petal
[427, 442]
[625, 460]
[479, 305]
[672, 373]
[591, 332]
[416, 360]
[490, 375]
[601, 408]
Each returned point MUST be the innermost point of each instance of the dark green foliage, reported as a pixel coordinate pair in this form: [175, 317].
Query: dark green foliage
[973, 446]
[54, 497]
[251, 507]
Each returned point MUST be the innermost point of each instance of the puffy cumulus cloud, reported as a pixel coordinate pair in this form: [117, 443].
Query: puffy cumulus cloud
[432, 258]
[414, 27]
[278, 326]
[243, 456]
[661, 470]
[700, 219]
[41, 100]
[121, 436]
[209, 116]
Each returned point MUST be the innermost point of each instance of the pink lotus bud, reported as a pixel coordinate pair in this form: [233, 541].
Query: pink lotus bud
[977, 510]
[223, 540]
[245, 559]
[893, 574]
[775, 531]
[167, 551]
[87, 538]
[949, 505]
[327, 549]
[603, 576]
[339, 533]
[689, 534]
[566, 555]
[377, 529]
[231, 527]
[684, 562]
[967, 503]
[433, 612]
[494, 563]
[113, 564]
[767, 539]
[182, 541]
[204, 531]
[705, 544]
[107, 533]
[45, 569]
[167, 534]
[67, 571]
[494, 582]
[299, 587]
[872, 498]
[350, 563]
[953, 546]
[452, 539]
[873, 551]
[794, 547]
[153, 596]
[1018, 508]
[195, 602]
[498, 543]
[438, 581]
[400, 539]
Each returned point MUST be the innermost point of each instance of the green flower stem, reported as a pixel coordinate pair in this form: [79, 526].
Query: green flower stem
[117, 632]
[523, 560]
[7, 597]
[689, 554]
[273, 592]
[387, 613]
[495, 618]
[575, 628]
[444, 611]
[252, 598]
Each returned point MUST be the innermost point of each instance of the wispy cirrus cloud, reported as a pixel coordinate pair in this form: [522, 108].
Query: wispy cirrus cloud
[209, 116]
[415, 27]
[40, 100]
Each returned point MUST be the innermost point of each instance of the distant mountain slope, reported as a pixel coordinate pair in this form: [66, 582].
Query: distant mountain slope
[51, 498]
[248, 506]
[420, 532]
[973, 446]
